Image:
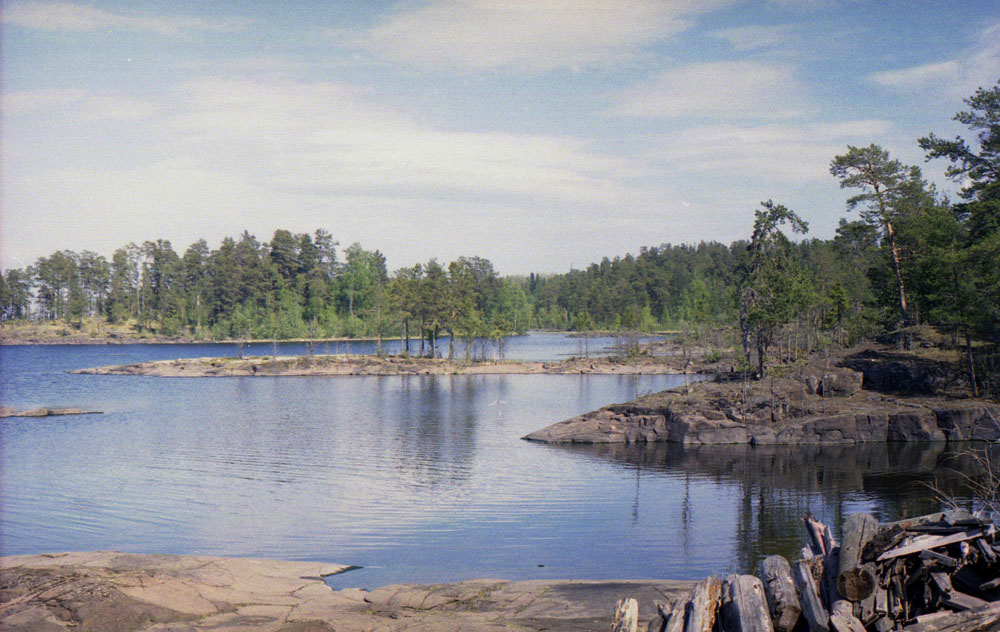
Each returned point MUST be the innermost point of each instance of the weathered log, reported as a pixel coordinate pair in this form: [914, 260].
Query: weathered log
[779, 589]
[702, 609]
[675, 622]
[704, 604]
[743, 606]
[856, 580]
[930, 542]
[842, 617]
[812, 608]
[820, 538]
[985, 619]
[626, 616]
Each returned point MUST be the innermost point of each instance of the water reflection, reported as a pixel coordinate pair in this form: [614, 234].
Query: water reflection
[778, 485]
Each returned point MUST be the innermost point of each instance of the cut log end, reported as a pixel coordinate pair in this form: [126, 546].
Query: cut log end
[856, 584]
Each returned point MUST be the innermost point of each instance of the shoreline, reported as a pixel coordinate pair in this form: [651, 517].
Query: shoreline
[129, 591]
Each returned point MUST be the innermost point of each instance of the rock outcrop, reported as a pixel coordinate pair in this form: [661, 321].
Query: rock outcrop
[813, 405]
[123, 592]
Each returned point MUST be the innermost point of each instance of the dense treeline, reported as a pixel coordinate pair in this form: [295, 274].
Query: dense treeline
[903, 255]
[293, 286]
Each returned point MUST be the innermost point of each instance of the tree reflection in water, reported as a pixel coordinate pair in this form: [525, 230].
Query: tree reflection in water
[779, 485]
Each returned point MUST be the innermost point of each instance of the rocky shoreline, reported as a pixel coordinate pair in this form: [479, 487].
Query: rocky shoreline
[341, 364]
[126, 592]
[866, 396]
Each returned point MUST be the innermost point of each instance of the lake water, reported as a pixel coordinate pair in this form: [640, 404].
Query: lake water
[416, 479]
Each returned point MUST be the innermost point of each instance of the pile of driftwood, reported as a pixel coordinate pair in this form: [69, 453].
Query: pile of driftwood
[935, 573]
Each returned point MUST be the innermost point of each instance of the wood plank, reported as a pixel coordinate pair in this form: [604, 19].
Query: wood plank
[982, 620]
[931, 542]
[940, 558]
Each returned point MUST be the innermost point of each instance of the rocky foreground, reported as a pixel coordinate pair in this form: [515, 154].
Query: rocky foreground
[872, 395]
[331, 365]
[123, 592]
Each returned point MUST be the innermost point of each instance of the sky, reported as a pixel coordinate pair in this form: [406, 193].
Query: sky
[542, 135]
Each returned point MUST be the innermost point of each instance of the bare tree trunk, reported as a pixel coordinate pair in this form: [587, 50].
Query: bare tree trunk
[891, 234]
[406, 334]
[972, 365]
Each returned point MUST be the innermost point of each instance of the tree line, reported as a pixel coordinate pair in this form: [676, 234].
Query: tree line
[903, 255]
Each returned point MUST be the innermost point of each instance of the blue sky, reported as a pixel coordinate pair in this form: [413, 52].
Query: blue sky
[540, 135]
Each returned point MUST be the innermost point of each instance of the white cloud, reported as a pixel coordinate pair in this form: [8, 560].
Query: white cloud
[747, 38]
[76, 102]
[917, 76]
[325, 137]
[68, 16]
[783, 154]
[537, 35]
[977, 66]
[733, 89]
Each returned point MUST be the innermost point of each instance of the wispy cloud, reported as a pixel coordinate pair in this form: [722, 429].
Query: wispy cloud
[68, 16]
[784, 154]
[326, 137]
[533, 36]
[735, 90]
[978, 65]
[747, 38]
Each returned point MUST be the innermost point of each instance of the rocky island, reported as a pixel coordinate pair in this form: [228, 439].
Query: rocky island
[345, 364]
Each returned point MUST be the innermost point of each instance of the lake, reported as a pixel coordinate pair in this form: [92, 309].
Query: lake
[413, 478]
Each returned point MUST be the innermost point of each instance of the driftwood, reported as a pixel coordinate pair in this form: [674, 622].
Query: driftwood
[626, 616]
[744, 607]
[983, 620]
[779, 589]
[930, 542]
[813, 609]
[933, 573]
[842, 617]
[674, 621]
[702, 609]
[855, 579]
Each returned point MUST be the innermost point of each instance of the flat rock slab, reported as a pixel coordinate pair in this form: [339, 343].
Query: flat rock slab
[124, 592]
[6, 411]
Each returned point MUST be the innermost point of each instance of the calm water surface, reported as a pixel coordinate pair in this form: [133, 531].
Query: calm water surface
[420, 478]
